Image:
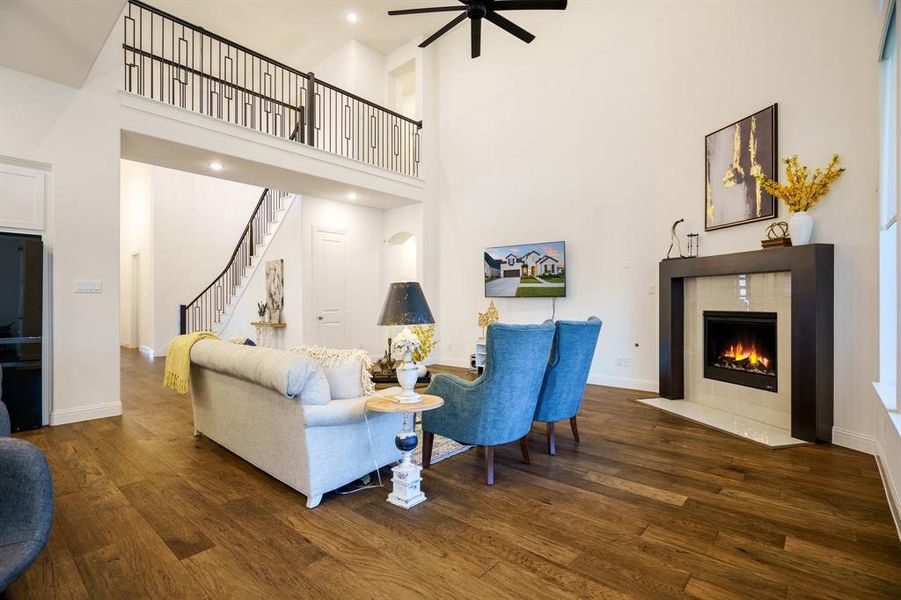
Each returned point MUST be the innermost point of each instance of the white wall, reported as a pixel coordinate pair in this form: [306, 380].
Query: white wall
[197, 222]
[76, 131]
[293, 243]
[356, 68]
[186, 235]
[287, 244]
[364, 227]
[594, 134]
[136, 237]
[402, 255]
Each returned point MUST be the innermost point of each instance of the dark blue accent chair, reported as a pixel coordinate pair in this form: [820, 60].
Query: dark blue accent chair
[566, 376]
[497, 408]
[26, 503]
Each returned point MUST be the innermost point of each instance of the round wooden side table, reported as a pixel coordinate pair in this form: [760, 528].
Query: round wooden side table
[405, 490]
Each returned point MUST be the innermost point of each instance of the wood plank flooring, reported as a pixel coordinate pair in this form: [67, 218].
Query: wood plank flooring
[647, 505]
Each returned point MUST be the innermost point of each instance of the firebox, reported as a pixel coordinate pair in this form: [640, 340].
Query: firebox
[740, 348]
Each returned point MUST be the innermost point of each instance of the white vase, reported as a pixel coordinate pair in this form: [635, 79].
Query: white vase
[407, 374]
[801, 228]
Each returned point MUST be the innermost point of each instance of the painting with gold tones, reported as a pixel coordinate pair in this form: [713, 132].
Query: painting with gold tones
[735, 156]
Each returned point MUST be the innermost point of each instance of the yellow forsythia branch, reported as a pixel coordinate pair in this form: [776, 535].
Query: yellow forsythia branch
[798, 192]
[427, 341]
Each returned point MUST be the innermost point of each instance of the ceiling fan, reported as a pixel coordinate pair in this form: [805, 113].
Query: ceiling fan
[476, 10]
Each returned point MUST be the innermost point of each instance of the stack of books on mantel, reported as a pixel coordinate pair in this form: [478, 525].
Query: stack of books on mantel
[776, 243]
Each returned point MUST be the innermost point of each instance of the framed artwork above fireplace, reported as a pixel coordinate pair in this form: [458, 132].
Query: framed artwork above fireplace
[734, 156]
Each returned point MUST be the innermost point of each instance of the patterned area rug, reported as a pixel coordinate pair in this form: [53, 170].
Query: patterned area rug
[442, 448]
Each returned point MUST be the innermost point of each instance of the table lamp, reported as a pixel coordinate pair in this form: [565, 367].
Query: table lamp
[404, 305]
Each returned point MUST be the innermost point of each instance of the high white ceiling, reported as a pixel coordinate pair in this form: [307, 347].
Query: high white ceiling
[55, 39]
[60, 39]
[301, 33]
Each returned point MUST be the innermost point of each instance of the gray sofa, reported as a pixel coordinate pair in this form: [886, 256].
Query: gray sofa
[26, 503]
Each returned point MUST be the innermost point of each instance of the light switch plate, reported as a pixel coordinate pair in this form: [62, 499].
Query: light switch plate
[88, 286]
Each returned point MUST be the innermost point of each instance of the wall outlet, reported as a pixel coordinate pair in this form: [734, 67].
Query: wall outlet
[652, 289]
[88, 286]
[627, 263]
[623, 361]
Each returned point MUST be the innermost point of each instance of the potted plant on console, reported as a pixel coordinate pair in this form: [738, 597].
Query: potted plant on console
[800, 193]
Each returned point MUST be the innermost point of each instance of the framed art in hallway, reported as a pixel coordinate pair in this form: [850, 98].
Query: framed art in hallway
[734, 156]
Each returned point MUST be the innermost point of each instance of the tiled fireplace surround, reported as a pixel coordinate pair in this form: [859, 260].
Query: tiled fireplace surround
[756, 292]
[796, 283]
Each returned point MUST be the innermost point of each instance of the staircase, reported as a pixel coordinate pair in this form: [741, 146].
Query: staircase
[211, 308]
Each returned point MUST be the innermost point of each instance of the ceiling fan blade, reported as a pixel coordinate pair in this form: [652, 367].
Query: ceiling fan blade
[476, 37]
[529, 5]
[433, 9]
[510, 27]
[456, 21]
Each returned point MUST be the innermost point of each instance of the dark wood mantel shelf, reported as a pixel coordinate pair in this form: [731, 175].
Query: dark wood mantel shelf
[812, 274]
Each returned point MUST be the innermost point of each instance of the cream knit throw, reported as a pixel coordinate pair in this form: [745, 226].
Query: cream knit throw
[332, 357]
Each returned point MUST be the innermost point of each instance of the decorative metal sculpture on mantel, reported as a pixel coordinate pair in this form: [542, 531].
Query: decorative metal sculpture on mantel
[776, 236]
[674, 241]
[488, 317]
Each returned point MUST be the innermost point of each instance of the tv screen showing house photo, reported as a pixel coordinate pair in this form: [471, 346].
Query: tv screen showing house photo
[526, 270]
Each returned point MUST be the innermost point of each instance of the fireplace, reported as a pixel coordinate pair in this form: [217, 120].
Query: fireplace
[740, 348]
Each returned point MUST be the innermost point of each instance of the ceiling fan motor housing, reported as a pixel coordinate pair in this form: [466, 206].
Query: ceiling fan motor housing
[476, 10]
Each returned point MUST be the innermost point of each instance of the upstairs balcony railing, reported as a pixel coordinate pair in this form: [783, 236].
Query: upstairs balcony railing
[173, 61]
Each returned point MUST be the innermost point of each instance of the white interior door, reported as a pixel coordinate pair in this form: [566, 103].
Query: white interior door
[330, 286]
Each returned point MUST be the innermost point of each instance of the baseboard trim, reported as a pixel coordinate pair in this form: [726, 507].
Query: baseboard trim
[85, 413]
[891, 492]
[628, 383]
[459, 364]
[870, 445]
[854, 440]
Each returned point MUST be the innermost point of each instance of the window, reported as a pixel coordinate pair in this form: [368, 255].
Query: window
[888, 214]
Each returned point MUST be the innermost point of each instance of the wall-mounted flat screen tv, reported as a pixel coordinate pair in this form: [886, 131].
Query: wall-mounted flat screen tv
[526, 271]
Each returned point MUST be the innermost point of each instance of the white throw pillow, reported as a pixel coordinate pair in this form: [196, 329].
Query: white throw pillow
[347, 371]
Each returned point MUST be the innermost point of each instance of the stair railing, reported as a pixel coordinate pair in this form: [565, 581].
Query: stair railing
[205, 311]
[170, 60]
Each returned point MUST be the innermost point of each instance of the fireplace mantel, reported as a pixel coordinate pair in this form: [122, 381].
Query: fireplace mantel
[811, 268]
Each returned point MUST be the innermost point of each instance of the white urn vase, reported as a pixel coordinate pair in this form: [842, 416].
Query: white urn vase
[407, 374]
[800, 228]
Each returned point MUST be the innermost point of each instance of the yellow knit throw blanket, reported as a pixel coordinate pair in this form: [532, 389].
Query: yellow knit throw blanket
[178, 360]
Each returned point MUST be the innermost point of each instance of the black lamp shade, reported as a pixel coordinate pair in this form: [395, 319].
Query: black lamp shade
[405, 305]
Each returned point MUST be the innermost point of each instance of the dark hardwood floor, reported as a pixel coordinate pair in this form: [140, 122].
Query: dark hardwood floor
[647, 505]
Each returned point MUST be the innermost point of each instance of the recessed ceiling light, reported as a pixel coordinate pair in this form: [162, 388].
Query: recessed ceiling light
[352, 196]
[216, 166]
[352, 17]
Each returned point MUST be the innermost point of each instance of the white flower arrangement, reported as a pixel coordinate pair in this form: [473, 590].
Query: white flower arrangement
[403, 343]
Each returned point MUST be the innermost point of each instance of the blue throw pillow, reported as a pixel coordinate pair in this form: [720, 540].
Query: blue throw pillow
[249, 342]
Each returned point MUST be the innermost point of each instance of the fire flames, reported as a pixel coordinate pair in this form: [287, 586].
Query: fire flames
[740, 352]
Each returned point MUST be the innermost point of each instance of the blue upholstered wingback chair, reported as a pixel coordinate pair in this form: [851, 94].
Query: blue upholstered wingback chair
[497, 408]
[566, 376]
[26, 503]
